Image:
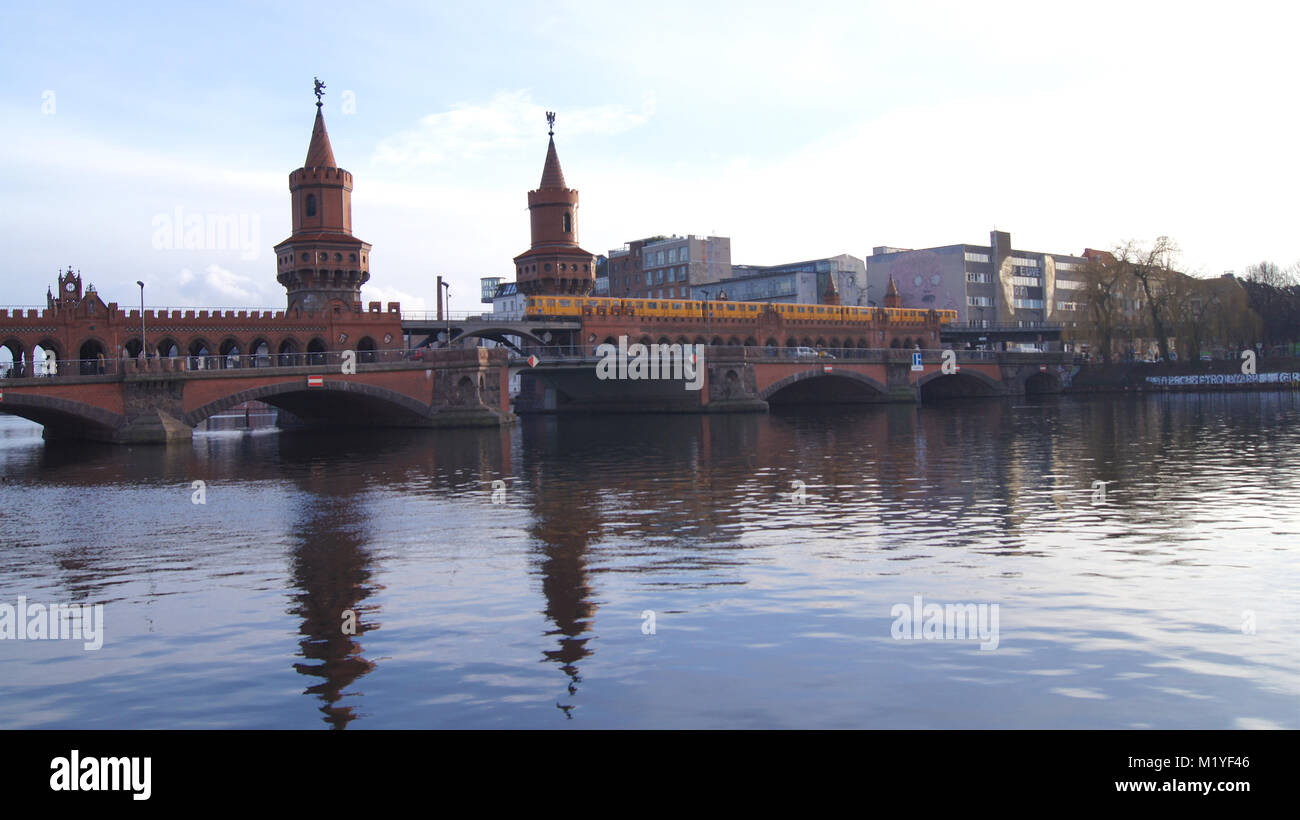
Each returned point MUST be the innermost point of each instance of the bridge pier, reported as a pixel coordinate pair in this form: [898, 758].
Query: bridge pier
[733, 386]
[153, 427]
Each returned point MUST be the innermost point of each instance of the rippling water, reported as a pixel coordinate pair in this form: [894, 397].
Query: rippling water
[1170, 603]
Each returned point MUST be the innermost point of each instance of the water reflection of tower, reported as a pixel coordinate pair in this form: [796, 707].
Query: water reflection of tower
[565, 521]
[331, 569]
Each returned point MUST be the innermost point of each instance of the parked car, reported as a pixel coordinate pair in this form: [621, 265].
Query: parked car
[805, 353]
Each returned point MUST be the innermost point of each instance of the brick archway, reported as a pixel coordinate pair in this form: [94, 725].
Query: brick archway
[779, 385]
[55, 414]
[394, 404]
[990, 385]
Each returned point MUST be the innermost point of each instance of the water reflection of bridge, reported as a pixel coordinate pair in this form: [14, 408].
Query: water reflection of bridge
[892, 464]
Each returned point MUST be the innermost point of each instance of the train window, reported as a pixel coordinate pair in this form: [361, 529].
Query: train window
[564, 303]
[731, 308]
[799, 310]
[753, 307]
[652, 304]
[550, 303]
[677, 306]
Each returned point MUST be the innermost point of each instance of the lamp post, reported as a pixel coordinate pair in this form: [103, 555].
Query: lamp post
[447, 307]
[144, 345]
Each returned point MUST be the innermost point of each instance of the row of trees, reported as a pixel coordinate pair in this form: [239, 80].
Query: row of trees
[1135, 297]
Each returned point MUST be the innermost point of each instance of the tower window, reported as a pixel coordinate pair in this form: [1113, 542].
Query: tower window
[568, 222]
[311, 204]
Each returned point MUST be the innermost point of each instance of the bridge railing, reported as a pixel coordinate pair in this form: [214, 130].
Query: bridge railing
[432, 316]
[741, 353]
[117, 368]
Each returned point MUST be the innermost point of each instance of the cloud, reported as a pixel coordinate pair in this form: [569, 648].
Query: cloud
[219, 287]
[233, 285]
[502, 124]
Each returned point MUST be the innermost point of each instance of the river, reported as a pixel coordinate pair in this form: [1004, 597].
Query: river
[1133, 560]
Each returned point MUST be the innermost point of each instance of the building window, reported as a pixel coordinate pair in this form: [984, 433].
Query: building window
[659, 276]
[311, 204]
[568, 222]
[976, 257]
[649, 277]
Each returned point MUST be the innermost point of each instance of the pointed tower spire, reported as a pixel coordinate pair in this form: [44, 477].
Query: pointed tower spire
[552, 174]
[892, 297]
[320, 154]
[831, 296]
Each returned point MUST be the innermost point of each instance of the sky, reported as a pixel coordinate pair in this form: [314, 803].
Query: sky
[798, 130]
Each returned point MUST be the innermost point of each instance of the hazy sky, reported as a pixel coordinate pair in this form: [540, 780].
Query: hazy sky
[800, 130]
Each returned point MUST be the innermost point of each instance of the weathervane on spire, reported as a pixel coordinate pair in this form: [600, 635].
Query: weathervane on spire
[320, 91]
[550, 122]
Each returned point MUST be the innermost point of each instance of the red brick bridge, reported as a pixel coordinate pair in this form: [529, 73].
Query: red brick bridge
[741, 378]
[162, 400]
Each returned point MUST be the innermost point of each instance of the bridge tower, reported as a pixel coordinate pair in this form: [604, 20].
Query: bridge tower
[555, 264]
[322, 263]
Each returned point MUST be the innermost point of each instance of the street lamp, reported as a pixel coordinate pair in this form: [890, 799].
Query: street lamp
[144, 345]
[447, 307]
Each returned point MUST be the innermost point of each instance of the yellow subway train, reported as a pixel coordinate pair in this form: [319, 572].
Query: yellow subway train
[563, 307]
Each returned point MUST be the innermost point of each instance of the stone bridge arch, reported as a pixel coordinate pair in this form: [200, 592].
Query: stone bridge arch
[336, 402]
[967, 382]
[63, 418]
[807, 377]
[1031, 380]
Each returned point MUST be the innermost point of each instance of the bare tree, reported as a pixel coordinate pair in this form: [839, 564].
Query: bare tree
[1104, 293]
[1269, 273]
[1152, 268]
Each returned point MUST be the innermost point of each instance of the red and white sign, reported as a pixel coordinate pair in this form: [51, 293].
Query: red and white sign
[532, 361]
[2, 395]
[827, 368]
[315, 381]
[1042, 368]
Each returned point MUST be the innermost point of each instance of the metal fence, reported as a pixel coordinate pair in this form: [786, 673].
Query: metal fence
[52, 368]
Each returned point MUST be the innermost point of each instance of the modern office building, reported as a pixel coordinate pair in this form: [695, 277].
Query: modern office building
[835, 279]
[995, 288]
[666, 267]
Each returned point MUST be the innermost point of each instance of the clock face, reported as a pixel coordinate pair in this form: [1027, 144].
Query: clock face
[917, 280]
[935, 279]
[70, 287]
